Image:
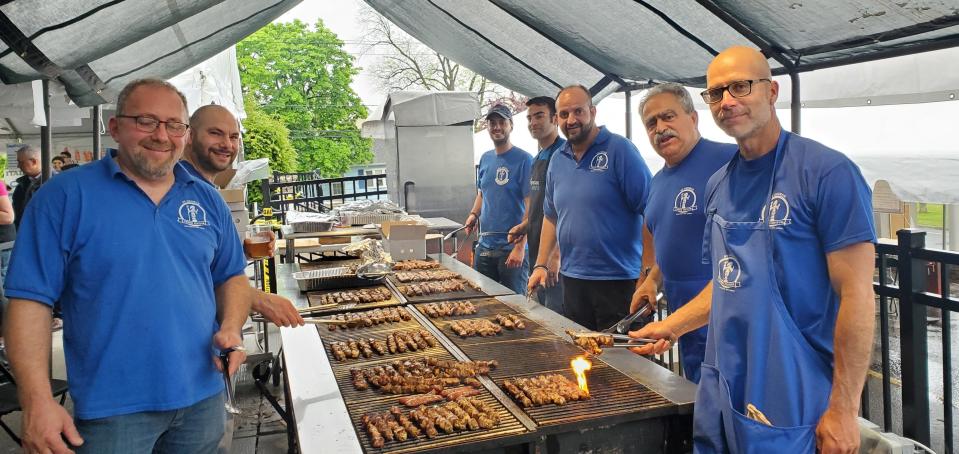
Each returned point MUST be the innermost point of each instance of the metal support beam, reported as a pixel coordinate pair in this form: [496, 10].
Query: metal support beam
[96, 116]
[46, 134]
[795, 104]
[913, 342]
[629, 115]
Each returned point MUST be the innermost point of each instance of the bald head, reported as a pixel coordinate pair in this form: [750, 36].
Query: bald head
[746, 111]
[208, 112]
[740, 59]
[214, 140]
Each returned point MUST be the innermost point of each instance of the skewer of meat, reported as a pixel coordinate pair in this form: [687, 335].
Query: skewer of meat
[404, 421]
[359, 379]
[420, 399]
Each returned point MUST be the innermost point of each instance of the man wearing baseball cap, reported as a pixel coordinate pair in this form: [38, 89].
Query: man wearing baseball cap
[501, 201]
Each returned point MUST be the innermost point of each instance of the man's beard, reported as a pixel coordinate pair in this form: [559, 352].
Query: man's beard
[584, 131]
[206, 161]
[151, 169]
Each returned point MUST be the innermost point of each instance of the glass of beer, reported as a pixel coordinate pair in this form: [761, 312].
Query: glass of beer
[257, 245]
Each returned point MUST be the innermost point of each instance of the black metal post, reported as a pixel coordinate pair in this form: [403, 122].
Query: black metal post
[795, 103]
[629, 114]
[947, 416]
[914, 348]
[97, 116]
[46, 134]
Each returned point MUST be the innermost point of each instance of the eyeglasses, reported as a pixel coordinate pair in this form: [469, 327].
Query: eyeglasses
[736, 89]
[148, 124]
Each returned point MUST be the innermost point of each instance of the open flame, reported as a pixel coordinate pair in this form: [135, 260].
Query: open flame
[580, 365]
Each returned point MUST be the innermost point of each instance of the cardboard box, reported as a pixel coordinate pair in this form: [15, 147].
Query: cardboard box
[404, 239]
[241, 219]
[230, 195]
[236, 206]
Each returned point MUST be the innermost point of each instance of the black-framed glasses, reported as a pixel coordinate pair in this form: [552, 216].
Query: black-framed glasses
[149, 124]
[737, 89]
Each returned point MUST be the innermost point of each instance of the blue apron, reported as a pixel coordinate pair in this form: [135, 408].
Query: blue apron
[755, 353]
[692, 345]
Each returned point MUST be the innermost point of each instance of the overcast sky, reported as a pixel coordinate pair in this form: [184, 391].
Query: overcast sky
[912, 129]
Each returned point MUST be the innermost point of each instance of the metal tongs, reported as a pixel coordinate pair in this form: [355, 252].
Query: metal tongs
[230, 404]
[622, 326]
[611, 340]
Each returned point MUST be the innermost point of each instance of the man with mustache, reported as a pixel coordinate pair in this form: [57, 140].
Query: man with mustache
[792, 310]
[541, 115]
[145, 261]
[596, 190]
[675, 213]
[213, 145]
[500, 204]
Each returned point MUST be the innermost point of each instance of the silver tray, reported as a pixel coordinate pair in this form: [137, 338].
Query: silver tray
[329, 278]
[311, 226]
[359, 218]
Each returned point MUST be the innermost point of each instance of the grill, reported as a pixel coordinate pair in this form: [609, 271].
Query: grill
[314, 298]
[464, 294]
[535, 351]
[615, 398]
[611, 394]
[359, 403]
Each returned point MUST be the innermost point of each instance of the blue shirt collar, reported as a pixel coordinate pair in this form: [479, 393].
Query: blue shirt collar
[180, 175]
[601, 140]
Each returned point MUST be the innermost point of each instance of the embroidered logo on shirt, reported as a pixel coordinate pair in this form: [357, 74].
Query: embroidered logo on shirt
[502, 176]
[728, 273]
[685, 202]
[778, 211]
[600, 162]
[192, 215]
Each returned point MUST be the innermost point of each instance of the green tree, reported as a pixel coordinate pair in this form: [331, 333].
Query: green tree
[266, 137]
[301, 75]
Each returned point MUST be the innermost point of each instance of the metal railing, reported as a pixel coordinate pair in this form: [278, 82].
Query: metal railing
[308, 192]
[911, 279]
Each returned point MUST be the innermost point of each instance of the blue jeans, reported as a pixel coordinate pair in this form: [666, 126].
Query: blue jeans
[552, 298]
[194, 429]
[492, 264]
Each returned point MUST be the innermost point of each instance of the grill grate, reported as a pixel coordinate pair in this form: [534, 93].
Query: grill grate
[533, 330]
[340, 335]
[508, 426]
[370, 400]
[469, 292]
[523, 357]
[611, 393]
[486, 307]
[314, 298]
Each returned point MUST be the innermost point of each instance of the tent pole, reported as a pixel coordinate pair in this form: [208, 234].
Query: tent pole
[97, 114]
[46, 135]
[629, 114]
[795, 103]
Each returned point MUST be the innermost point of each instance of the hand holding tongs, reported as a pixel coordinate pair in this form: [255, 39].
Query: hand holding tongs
[622, 326]
[230, 404]
[595, 343]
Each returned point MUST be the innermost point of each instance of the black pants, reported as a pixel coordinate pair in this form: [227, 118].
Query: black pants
[597, 305]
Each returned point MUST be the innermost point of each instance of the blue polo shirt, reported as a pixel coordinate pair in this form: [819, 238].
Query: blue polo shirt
[675, 212]
[504, 181]
[136, 282]
[193, 171]
[820, 203]
[597, 205]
